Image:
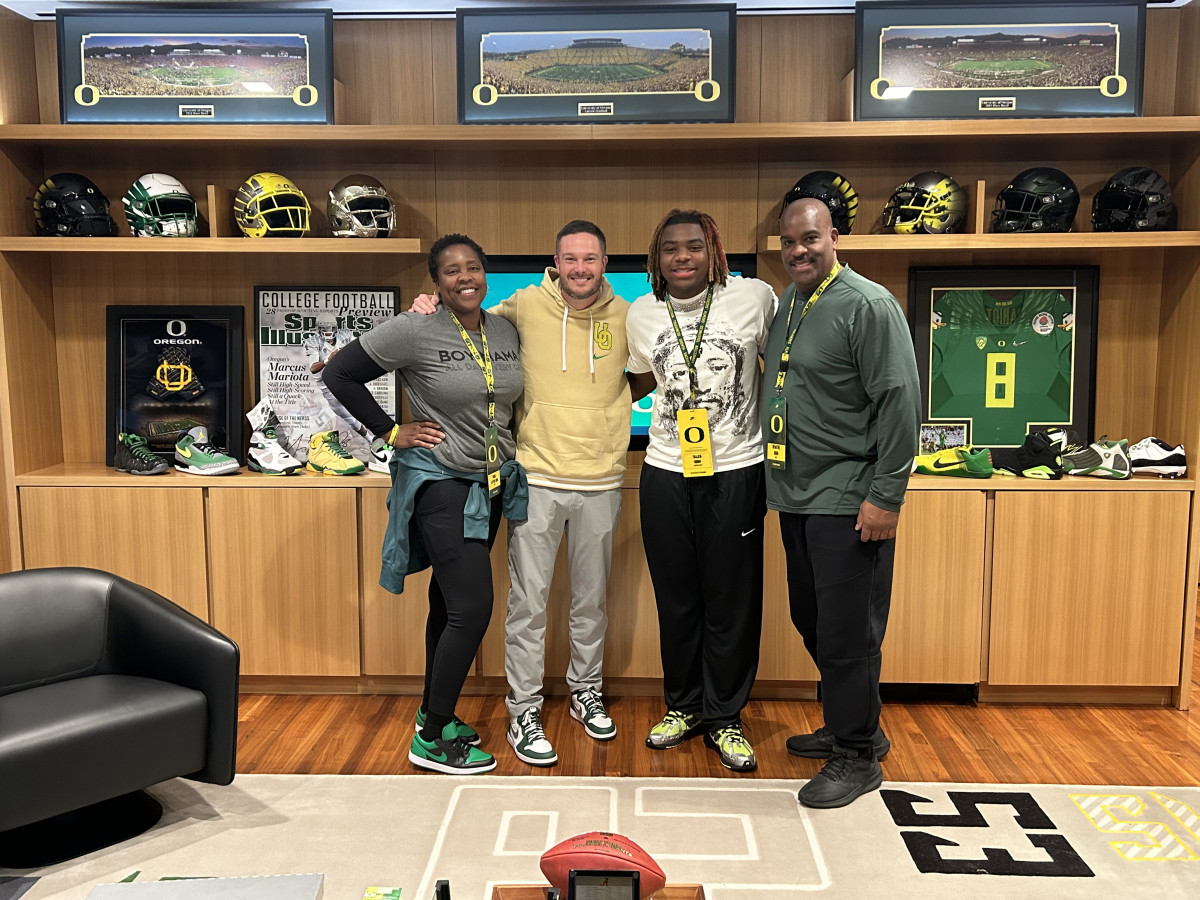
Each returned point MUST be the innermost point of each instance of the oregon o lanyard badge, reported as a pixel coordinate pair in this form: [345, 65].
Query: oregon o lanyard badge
[491, 441]
[695, 442]
[777, 405]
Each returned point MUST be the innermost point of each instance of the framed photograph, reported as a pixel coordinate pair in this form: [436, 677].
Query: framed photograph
[296, 331]
[960, 59]
[596, 64]
[1004, 351]
[195, 66]
[171, 368]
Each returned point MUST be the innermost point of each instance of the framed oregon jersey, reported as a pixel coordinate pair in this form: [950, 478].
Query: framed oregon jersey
[1005, 351]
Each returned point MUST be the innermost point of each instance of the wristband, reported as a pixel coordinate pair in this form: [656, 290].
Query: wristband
[392, 435]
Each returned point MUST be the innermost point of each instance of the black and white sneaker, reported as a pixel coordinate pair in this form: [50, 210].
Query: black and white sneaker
[1150, 456]
[1037, 457]
[134, 457]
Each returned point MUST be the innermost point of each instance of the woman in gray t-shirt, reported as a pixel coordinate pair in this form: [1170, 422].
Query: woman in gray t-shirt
[461, 370]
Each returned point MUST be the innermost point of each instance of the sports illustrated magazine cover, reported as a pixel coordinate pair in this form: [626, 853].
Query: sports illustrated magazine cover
[297, 331]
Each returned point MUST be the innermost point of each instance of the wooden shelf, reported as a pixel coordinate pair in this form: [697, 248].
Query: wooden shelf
[1082, 240]
[208, 245]
[98, 475]
[708, 134]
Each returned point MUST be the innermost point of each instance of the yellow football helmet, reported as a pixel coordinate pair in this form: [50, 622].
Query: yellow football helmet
[269, 205]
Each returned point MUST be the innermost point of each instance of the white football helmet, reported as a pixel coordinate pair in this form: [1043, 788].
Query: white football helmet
[158, 205]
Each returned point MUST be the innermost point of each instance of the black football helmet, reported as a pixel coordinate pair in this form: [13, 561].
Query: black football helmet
[1038, 199]
[1135, 199]
[831, 189]
[928, 203]
[69, 205]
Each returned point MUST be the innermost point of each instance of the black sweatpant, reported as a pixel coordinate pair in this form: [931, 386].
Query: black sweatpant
[704, 547]
[460, 592]
[840, 592]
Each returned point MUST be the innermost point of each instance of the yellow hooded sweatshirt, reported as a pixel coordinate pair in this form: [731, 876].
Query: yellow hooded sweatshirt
[573, 419]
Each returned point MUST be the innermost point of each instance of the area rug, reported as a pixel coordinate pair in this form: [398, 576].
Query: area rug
[740, 840]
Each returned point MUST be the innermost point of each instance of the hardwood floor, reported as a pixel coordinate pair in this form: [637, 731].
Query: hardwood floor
[961, 742]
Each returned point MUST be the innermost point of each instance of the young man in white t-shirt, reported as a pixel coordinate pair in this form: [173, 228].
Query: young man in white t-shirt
[703, 532]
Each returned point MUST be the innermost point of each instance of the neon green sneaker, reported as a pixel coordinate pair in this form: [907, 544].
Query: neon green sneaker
[675, 728]
[961, 461]
[733, 748]
[465, 731]
[196, 454]
[449, 754]
[325, 454]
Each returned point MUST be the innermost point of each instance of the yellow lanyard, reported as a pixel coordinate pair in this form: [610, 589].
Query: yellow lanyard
[484, 363]
[690, 357]
[787, 348]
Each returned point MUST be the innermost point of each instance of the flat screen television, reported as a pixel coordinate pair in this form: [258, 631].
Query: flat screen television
[627, 275]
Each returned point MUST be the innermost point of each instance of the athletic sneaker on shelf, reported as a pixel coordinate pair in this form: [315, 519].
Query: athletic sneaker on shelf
[1063, 441]
[325, 455]
[1104, 459]
[529, 741]
[960, 461]
[1150, 456]
[449, 754]
[134, 457]
[381, 457]
[1036, 458]
[196, 454]
[268, 456]
[465, 731]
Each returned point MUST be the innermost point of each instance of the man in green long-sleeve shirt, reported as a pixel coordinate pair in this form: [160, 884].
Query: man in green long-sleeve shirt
[841, 423]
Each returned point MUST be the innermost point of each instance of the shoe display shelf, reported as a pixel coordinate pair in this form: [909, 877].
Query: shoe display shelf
[1076, 589]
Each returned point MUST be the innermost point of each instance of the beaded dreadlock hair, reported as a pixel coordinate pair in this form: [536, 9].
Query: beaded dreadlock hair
[718, 267]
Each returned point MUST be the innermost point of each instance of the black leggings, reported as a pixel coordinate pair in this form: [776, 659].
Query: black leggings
[460, 592]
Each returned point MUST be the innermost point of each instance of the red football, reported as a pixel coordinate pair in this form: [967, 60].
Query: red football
[601, 850]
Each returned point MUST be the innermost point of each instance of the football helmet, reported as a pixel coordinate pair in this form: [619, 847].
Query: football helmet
[928, 203]
[1038, 199]
[359, 206]
[269, 205]
[831, 189]
[327, 326]
[1135, 199]
[69, 205]
[158, 205]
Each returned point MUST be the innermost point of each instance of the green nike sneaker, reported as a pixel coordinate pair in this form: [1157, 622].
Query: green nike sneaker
[960, 461]
[465, 731]
[449, 754]
[196, 454]
[675, 728]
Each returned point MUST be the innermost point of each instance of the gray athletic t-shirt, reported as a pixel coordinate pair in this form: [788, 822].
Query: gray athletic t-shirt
[444, 383]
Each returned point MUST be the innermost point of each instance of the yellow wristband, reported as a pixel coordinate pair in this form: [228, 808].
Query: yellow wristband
[392, 435]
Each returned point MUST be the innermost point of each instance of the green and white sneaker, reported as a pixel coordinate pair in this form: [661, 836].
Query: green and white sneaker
[465, 731]
[528, 740]
[194, 453]
[675, 728]
[588, 709]
[733, 748]
[449, 754]
[1104, 459]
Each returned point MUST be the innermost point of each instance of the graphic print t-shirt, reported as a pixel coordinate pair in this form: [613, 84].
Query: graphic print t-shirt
[444, 383]
[727, 370]
[1002, 360]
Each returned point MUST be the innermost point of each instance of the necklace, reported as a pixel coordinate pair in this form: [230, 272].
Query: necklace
[690, 305]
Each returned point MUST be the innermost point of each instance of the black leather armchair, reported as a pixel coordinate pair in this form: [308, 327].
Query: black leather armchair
[106, 688]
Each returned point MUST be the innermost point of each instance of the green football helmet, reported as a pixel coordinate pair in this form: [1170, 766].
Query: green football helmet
[158, 205]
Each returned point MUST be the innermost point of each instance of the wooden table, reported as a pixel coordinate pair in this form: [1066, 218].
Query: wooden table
[536, 892]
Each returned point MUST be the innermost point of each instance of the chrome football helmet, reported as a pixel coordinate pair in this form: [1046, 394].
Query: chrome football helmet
[359, 206]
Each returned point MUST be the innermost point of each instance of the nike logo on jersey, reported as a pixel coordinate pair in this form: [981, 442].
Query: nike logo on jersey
[1019, 343]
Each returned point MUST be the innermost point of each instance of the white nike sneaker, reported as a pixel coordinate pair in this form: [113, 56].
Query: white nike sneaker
[1150, 456]
[381, 457]
[268, 456]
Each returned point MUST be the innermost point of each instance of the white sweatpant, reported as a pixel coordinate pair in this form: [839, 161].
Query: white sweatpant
[589, 518]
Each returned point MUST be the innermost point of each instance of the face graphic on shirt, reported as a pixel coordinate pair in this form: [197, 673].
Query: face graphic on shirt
[718, 375]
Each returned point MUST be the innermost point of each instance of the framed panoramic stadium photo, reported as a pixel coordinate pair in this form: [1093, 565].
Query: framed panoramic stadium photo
[195, 66]
[1021, 58]
[1004, 351]
[588, 65]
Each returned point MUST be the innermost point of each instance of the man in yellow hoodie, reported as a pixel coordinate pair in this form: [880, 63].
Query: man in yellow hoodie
[573, 433]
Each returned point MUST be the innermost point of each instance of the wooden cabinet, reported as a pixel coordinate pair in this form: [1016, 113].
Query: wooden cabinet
[291, 572]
